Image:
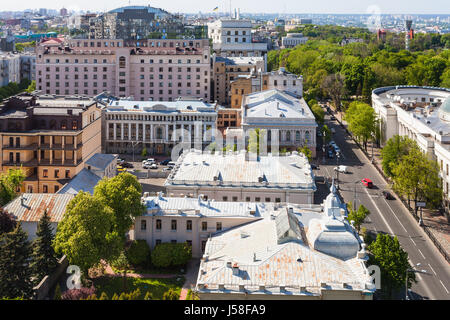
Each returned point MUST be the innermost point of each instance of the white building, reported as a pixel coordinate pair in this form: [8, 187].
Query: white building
[286, 118]
[421, 113]
[156, 125]
[233, 37]
[9, 68]
[236, 176]
[292, 40]
[28, 66]
[292, 252]
[283, 80]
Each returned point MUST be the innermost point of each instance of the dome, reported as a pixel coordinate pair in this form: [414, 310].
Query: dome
[444, 110]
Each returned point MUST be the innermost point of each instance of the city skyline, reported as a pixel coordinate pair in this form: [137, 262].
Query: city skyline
[247, 6]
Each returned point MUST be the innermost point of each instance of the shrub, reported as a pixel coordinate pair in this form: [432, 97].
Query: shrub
[148, 296]
[171, 254]
[78, 294]
[171, 295]
[103, 296]
[138, 254]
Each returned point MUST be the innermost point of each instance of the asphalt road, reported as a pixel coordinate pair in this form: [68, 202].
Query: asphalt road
[387, 216]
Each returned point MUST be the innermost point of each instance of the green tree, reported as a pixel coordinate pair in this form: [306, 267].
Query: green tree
[31, 87]
[9, 183]
[333, 86]
[326, 133]
[171, 254]
[123, 195]
[15, 272]
[394, 149]
[7, 221]
[144, 152]
[138, 254]
[171, 295]
[44, 260]
[387, 253]
[103, 296]
[318, 113]
[357, 216]
[86, 234]
[57, 295]
[305, 151]
[148, 296]
[121, 263]
[362, 121]
[256, 137]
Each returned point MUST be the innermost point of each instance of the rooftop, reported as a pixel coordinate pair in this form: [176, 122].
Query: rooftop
[85, 181]
[100, 160]
[239, 60]
[233, 169]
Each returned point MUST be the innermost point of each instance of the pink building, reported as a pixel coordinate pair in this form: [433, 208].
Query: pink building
[160, 70]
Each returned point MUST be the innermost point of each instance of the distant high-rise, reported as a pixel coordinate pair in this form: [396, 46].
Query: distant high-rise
[63, 12]
[409, 33]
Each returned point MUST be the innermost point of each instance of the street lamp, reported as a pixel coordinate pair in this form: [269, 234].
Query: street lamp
[406, 278]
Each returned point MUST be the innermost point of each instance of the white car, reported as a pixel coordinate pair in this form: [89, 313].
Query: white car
[341, 169]
[167, 169]
[153, 166]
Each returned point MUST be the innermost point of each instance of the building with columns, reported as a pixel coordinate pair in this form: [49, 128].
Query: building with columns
[129, 126]
[286, 117]
[50, 137]
[422, 114]
[157, 70]
[238, 176]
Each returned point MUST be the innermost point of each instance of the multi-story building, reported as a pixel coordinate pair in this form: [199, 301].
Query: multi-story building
[226, 70]
[28, 66]
[135, 22]
[129, 126]
[9, 68]
[50, 137]
[292, 40]
[280, 79]
[291, 252]
[159, 70]
[238, 176]
[422, 114]
[286, 117]
[233, 38]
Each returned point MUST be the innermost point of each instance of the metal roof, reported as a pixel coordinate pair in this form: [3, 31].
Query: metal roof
[101, 160]
[85, 180]
[30, 207]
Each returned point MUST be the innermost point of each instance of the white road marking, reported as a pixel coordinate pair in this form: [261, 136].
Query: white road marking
[432, 270]
[421, 253]
[443, 286]
[412, 241]
[393, 213]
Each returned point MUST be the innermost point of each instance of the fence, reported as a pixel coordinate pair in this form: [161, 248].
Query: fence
[424, 227]
[42, 289]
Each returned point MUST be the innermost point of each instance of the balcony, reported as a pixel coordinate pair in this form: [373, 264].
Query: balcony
[59, 162]
[31, 163]
[54, 146]
[32, 146]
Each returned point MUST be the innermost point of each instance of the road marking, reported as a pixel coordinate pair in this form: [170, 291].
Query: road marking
[393, 213]
[412, 241]
[443, 286]
[432, 270]
[421, 253]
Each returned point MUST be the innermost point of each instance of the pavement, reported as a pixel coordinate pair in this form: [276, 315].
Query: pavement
[190, 276]
[387, 216]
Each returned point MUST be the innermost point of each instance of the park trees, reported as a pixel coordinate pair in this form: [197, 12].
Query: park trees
[333, 85]
[123, 195]
[171, 254]
[86, 234]
[9, 183]
[326, 133]
[387, 253]
[306, 152]
[256, 138]
[318, 113]
[44, 258]
[395, 148]
[362, 121]
[7, 222]
[357, 216]
[15, 271]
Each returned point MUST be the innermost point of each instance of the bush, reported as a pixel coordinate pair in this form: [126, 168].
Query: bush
[138, 254]
[78, 294]
[171, 295]
[171, 254]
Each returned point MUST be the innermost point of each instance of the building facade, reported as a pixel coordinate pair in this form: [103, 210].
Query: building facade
[129, 126]
[158, 70]
[292, 40]
[28, 66]
[49, 137]
[287, 119]
[237, 176]
[233, 38]
[9, 68]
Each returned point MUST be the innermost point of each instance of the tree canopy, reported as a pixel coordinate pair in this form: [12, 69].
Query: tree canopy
[362, 121]
[394, 149]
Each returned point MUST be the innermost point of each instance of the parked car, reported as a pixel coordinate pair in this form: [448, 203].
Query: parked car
[151, 160]
[127, 165]
[171, 164]
[319, 134]
[165, 162]
[367, 182]
[387, 195]
[336, 149]
[341, 169]
[167, 169]
[153, 166]
[333, 130]
[330, 154]
[332, 143]
[314, 167]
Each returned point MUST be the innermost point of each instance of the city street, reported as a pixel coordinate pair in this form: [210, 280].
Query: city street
[387, 216]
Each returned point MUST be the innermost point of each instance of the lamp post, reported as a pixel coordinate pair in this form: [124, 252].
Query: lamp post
[406, 278]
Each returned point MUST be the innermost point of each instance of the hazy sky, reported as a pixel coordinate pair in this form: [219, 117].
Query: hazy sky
[268, 6]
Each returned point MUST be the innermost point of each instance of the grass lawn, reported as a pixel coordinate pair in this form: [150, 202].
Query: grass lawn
[157, 287]
[151, 270]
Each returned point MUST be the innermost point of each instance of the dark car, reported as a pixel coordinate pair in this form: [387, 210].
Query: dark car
[127, 165]
[165, 162]
[314, 167]
[387, 195]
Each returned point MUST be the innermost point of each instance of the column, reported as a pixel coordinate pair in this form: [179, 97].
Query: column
[129, 131]
[174, 134]
[151, 132]
[121, 131]
[167, 133]
[137, 131]
[75, 150]
[115, 130]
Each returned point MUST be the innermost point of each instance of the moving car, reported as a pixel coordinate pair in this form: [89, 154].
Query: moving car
[127, 165]
[367, 182]
[171, 164]
[387, 195]
[341, 169]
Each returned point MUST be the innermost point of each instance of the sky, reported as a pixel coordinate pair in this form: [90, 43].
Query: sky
[253, 6]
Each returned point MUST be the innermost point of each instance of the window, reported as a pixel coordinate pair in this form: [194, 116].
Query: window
[158, 224]
[247, 199]
[56, 189]
[219, 226]
[189, 225]
[45, 188]
[189, 243]
[56, 173]
[225, 198]
[257, 199]
[174, 225]
[204, 226]
[158, 241]
[203, 245]
[143, 225]
[277, 199]
[235, 199]
[267, 199]
[45, 173]
[67, 174]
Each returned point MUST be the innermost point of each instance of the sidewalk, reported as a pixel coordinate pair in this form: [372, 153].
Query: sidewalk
[191, 277]
[435, 222]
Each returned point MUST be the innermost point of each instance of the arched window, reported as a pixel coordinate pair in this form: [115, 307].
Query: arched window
[307, 136]
[297, 135]
[53, 124]
[288, 136]
[63, 125]
[269, 135]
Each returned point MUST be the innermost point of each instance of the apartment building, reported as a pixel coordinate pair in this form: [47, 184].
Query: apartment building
[9, 68]
[50, 137]
[129, 125]
[279, 79]
[157, 70]
[226, 70]
[28, 66]
[233, 38]
[292, 40]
